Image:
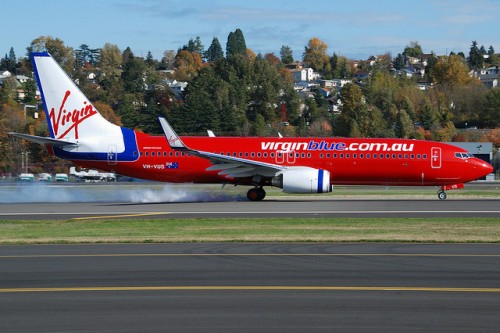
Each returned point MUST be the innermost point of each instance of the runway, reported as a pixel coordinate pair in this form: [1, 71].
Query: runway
[220, 287]
[269, 208]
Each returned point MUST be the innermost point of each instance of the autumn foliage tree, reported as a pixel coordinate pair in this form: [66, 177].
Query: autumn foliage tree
[315, 56]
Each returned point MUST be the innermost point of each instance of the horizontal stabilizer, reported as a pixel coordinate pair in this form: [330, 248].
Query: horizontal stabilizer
[43, 140]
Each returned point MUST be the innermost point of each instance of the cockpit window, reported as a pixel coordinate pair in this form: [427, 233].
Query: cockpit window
[463, 155]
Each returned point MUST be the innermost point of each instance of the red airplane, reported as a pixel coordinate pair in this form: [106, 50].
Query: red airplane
[297, 165]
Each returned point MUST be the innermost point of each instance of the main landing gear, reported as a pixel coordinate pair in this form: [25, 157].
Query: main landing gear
[256, 194]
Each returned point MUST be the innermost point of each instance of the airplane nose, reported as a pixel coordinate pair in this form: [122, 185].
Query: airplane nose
[483, 169]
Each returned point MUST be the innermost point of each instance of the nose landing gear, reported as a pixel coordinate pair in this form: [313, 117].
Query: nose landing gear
[442, 195]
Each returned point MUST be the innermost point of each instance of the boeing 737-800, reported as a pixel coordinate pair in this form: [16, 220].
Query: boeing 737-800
[80, 134]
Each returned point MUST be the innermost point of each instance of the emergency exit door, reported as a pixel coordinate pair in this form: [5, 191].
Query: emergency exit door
[436, 157]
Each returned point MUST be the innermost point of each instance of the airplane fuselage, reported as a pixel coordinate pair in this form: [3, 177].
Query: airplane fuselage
[349, 161]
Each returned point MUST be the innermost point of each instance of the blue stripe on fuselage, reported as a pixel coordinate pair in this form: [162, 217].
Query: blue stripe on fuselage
[128, 155]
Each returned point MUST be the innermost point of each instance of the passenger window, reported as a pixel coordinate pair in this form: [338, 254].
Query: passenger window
[424, 156]
[418, 156]
[412, 156]
[328, 155]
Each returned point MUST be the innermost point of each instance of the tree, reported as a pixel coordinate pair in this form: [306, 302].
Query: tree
[491, 109]
[133, 75]
[413, 50]
[450, 71]
[9, 62]
[236, 43]
[29, 88]
[315, 55]
[110, 62]
[86, 55]
[399, 61]
[286, 54]
[346, 124]
[193, 46]
[168, 60]
[214, 51]
[404, 125]
[187, 64]
[475, 59]
[62, 54]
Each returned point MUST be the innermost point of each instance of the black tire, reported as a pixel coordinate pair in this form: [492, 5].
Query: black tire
[442, 195]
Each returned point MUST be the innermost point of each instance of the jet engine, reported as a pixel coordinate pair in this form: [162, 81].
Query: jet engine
[303, 180]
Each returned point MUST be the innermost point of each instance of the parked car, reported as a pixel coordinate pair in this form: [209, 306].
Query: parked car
[26, 177]
[44, 177]
[62, 177]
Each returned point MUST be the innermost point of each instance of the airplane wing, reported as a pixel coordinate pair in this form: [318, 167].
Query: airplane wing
[43, 140]
[230, 166]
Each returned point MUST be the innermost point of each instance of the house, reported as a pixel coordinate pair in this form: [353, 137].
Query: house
[303, 74]
[490, 76]
[361, 75]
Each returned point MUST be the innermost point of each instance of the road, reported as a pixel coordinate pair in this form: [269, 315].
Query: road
[264, 287]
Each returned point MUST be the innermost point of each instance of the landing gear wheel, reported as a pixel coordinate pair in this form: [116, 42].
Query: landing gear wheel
[442, 195]
[256, 194]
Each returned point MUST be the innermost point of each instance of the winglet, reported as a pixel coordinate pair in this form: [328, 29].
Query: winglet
[172, 138]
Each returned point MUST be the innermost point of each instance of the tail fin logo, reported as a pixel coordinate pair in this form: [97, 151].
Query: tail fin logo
[66, 120]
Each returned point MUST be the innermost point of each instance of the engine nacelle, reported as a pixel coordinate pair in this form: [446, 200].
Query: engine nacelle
[303, 180]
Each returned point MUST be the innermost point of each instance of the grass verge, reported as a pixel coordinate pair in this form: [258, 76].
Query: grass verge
[252, 230]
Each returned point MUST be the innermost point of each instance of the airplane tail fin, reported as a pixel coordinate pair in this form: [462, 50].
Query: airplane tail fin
[70, 115]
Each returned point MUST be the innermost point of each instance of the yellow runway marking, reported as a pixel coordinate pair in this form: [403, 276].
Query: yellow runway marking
[117, 216]
[430, 255]
[249, 288]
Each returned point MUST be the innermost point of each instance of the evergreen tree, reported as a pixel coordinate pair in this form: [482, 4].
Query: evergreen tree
[214, 52]
[404, 125]
[399, 61]
[193, 46]
[236, 43]
[133, 75]
[475, 59]
[286, 54]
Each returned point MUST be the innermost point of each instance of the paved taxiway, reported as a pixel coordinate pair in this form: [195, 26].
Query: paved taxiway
[250, 287]
[267, 208]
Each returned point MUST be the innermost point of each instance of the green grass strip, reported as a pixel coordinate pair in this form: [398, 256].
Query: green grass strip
[252, 230]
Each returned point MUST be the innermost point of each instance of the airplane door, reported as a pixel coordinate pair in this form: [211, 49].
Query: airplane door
[436, 157]
[291, 157]
[112, 155]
